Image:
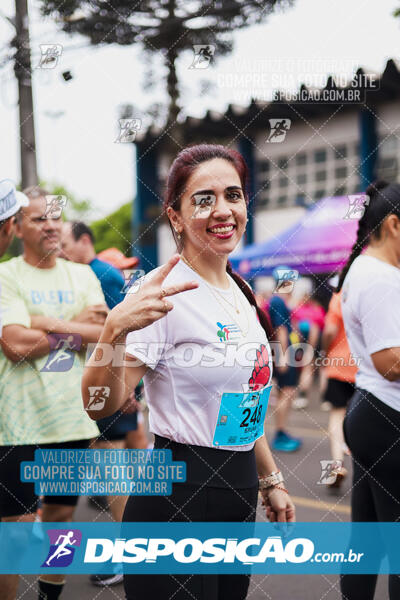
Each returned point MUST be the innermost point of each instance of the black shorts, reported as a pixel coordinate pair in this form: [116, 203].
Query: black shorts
[18, 497]
[116, 426]
[339, 392]
[288, 379]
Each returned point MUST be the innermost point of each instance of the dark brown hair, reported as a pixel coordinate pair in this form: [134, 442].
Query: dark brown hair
[383, 200]
[79, 228]
[183, 166]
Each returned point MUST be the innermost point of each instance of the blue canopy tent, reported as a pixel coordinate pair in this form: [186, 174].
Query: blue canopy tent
[319, 243]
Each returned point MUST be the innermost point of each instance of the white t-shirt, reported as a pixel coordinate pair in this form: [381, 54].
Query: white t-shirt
[370, 305]
[199, 350]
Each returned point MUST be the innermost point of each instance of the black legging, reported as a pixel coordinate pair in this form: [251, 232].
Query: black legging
[193, 501]
[372, 432]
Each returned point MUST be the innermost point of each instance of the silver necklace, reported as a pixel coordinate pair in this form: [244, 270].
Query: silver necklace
[236, 300]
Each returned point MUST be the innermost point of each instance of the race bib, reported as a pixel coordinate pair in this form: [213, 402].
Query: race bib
[241, 418]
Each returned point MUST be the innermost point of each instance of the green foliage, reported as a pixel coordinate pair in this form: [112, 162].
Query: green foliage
[13, 250]
[114, 230]
[74, 209]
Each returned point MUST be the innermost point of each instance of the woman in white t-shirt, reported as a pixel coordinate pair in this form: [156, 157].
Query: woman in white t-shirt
[370, 306]
[206, 366]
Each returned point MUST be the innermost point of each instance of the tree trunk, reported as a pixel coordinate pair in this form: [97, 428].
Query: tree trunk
[22, 69]
[173, 128]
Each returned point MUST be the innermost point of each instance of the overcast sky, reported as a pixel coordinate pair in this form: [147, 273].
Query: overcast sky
[78, 149]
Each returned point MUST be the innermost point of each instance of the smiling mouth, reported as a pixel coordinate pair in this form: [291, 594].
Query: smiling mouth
[222, 229]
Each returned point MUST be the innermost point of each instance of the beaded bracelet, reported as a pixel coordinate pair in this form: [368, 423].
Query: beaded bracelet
[278, 487]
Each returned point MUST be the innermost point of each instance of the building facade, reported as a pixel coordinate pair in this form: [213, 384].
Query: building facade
[297, 152]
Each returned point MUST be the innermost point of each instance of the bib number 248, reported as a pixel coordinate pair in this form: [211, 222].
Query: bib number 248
[250, 418]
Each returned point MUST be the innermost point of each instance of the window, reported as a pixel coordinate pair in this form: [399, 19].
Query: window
[340, 152]
[263, 166]
[389, 145]
[320, 155]
[301, 159]
[301, 178]
[340, 172]
[283, 162]
[262, 200]
[340, 191]
[265, 184]
[319, 194]
[282, 200]
[388, 168]
[300, 200]
[320, 176]
[283, 182]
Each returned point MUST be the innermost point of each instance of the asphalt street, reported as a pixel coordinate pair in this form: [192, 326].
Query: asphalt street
[313, 502]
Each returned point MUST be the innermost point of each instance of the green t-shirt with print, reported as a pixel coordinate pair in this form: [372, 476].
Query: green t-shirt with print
[40, 399]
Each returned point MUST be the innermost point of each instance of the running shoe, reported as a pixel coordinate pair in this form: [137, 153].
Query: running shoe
[283, 442]
[105, 580]
[300, 402]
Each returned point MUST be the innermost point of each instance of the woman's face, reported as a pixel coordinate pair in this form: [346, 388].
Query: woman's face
[213, 213]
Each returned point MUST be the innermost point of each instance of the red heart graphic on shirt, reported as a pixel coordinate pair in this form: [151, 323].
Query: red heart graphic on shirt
[261, 372]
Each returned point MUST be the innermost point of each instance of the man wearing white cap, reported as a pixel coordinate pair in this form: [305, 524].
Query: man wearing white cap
[11, 202]
[47, 310]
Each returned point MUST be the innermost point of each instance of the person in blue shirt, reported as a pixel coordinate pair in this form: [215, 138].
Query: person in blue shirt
[77, 245]
[287, 375]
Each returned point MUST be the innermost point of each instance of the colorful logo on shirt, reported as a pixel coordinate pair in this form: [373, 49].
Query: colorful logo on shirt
[62, 352]
[229, 332]
[261, 373]
[62, 547]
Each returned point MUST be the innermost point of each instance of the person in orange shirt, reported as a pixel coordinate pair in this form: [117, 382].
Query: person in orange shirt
[340, 370]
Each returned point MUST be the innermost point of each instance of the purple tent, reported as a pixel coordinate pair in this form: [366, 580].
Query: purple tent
[319, 243]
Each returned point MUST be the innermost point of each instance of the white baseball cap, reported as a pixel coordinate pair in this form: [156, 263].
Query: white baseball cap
[10, 199]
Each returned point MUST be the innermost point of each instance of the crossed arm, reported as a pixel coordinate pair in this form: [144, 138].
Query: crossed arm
[19, 342]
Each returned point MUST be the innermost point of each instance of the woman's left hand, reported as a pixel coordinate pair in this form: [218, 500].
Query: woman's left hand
[279, 506]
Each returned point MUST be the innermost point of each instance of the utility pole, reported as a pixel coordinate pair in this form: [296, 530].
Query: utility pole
[23, 73]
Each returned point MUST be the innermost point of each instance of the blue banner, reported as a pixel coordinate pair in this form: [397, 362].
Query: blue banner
[114, 472]
[155, 548]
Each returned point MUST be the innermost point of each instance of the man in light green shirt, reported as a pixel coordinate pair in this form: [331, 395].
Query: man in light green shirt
[51, 310]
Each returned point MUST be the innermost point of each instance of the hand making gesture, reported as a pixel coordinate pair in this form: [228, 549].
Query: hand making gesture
[146, 301]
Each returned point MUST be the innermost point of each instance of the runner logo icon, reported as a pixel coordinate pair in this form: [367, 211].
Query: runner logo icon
[357, 206]
[98, 396]
[279, 129]
[203, 54]
[54, 206]
[62, 351]
[62, 547]
[329, 470]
